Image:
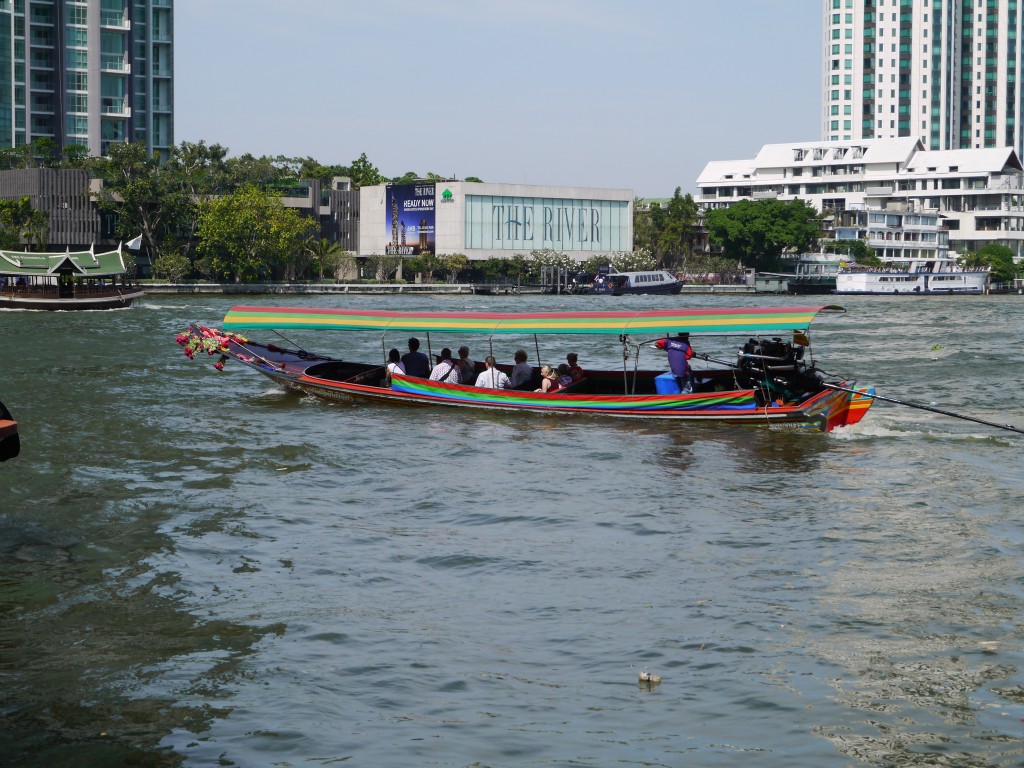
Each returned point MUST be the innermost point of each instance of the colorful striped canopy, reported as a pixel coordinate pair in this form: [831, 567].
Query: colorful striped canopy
[652, 322]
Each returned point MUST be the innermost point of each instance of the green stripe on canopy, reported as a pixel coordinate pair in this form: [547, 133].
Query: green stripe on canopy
[704, 321]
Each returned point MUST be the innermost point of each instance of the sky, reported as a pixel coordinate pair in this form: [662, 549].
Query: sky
[631, 94]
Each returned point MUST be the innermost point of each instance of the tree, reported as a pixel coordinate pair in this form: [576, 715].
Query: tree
[132, 189]
[326, 255]
[245, 234]
[675, 231]
[383, 267]
[364, 174]
[425, 264]
[172, 266]
[858, 251]
[756, 232]
[999, 258]
[19, 220]
[451, 264]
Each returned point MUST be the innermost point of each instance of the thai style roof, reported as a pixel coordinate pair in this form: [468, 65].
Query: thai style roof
[84, 263]
[745, 320]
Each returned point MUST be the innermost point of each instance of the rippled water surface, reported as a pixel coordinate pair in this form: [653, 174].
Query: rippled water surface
[198, 569]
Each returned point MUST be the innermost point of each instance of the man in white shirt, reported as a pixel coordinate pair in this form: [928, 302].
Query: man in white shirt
[492, 378]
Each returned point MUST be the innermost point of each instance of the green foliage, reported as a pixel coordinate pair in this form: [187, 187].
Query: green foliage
[383, 267]
[425, 264]
[858, 251]
[42, 153]
[450, 264]
[756, 232]
[999, 258]
[667, 232]
[326, 256]
[134, 190]
[363, 173]
[246, 234]
[172, 266]
[474, 179]
[633, 261]
[19, 220]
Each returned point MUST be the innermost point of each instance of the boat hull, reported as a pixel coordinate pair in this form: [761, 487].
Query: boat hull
[824, 411]
[51, 302]
[911, 283]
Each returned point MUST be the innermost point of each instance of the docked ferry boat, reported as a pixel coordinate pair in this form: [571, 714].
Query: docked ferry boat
[915, 277]
[68, 280]
[650, 281]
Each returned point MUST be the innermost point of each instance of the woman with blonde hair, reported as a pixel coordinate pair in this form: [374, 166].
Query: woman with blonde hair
[548, 380]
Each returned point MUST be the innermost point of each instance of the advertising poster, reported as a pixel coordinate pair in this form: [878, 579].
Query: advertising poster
[410, 219]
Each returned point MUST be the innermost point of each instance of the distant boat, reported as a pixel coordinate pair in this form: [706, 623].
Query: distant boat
[642, 282]
[69, 280]
[815, 274]
[912, 277]
[10, 443]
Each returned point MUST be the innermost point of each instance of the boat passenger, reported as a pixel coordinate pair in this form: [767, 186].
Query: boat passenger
[395, 365]
[416, 363]
[575, 371]
[467, 366]
[679, 352]
[562, 376]
[522, 373]
[548, 380]
[492, 378]
[446, 370]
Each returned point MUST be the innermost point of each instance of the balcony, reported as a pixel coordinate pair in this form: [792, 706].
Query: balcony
[114, 20]
[113, 107]
[114, 62]
[879, 191]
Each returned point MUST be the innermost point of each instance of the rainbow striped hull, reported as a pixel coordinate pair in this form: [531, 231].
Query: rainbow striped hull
[825, 411]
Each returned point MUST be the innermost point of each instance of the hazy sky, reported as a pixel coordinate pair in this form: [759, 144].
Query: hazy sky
[636, 94]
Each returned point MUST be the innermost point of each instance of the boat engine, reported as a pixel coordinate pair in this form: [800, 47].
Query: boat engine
[775, 369]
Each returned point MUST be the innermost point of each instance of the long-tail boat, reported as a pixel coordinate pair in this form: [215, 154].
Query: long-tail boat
[771, 381]
[10, 443]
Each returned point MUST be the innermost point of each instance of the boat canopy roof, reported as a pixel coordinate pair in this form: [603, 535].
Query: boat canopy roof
[84, 263]
[740, 321]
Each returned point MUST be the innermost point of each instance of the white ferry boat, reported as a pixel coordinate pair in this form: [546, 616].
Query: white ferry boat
[915, 277]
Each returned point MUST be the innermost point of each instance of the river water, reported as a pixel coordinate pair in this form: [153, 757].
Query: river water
[198, 569]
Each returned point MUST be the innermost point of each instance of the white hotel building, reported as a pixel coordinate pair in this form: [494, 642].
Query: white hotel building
[977, 193]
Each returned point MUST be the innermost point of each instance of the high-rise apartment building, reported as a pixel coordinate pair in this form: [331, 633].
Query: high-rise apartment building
[946, 71]
[87, 72]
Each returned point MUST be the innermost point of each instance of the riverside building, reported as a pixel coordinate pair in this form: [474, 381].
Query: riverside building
[978, 194]
[483, 220]
[945, 71]
[87, 72]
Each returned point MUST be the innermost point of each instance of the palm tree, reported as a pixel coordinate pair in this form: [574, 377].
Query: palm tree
[325, 253]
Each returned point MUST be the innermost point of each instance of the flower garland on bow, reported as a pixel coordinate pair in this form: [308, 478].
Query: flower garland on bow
[209, 341]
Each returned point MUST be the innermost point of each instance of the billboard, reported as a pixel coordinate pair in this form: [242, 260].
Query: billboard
[410, 219]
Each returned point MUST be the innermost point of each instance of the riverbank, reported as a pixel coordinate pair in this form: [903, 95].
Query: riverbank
[154, 288]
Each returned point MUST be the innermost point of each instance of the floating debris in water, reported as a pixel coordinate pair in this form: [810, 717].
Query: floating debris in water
[649, 678]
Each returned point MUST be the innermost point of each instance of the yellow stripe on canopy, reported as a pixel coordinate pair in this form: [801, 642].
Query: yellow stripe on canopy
[741, 320]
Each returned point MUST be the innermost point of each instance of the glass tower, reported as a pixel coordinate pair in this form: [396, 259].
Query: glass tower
[946, 71]
[87, 72]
